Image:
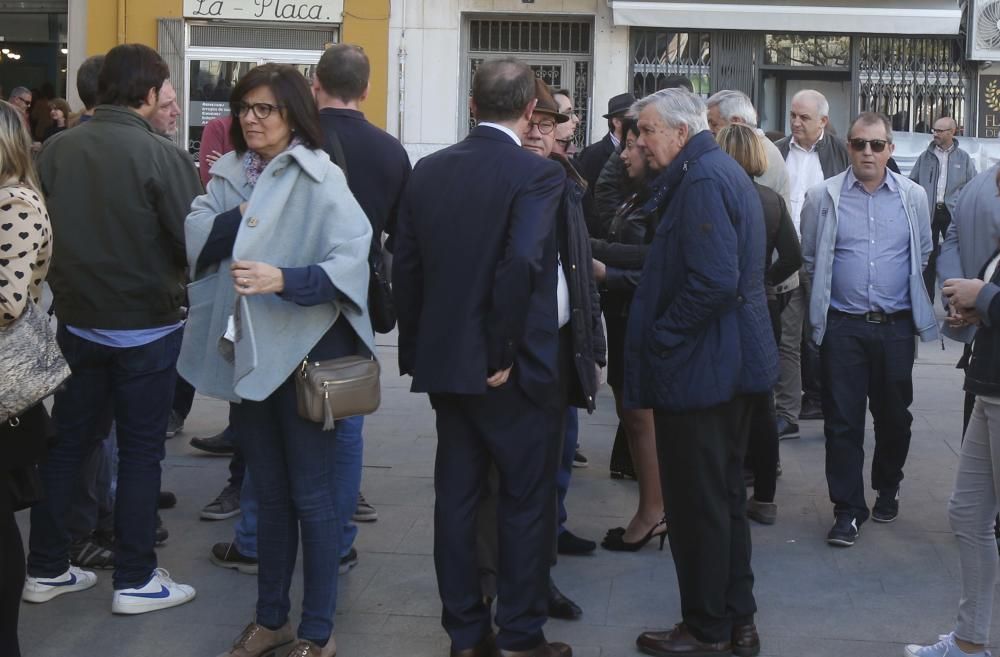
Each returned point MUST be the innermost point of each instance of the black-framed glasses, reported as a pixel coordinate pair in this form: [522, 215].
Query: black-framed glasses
[260, 110]
[545, 126]
[878, 145]
[25, 101]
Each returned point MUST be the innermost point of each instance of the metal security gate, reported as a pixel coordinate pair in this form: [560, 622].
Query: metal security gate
[913, 81]
[560, 51]
[658, 54]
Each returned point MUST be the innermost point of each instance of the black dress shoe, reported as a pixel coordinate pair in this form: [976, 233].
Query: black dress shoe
[746, 642]
[560, 606]
[219, 444]
[680, 641]
[485, 648]
[167, 500]
[570, 543]
[811, 410]
[554, 649]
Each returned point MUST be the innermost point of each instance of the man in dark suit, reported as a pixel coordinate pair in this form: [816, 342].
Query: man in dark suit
[475, 276]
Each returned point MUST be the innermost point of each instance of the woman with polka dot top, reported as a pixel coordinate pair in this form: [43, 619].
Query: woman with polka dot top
[25, 251]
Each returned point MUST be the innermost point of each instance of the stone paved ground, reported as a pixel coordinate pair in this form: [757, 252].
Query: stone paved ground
[898, 584]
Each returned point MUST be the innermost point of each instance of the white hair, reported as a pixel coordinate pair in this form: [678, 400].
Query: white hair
[816, 98]
[676, 107]
[19, 91]
[734, 104]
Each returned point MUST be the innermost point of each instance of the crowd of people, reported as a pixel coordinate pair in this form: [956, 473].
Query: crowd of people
[730, 285]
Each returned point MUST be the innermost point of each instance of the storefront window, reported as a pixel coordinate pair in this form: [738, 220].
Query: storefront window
[833, 51]
[659, 54]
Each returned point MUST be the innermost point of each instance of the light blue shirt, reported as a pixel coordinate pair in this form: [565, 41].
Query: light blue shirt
[871, 262]
[124, 339]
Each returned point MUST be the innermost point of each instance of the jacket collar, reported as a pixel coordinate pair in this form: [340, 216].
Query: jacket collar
[491, 133]
[313, 162]
[119, 114]
[663, 185]
[342, 111]
[954, 146]
[836, 184]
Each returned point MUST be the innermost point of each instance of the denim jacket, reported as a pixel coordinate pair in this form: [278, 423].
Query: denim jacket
[819, 241]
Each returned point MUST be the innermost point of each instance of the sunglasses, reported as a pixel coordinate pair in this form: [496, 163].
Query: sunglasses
[878, 145]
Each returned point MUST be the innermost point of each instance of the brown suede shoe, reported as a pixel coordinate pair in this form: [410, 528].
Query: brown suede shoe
[746, 643]
[485, 648]
[258, 641]
[679, 641]
[554, 649]
[303, 648]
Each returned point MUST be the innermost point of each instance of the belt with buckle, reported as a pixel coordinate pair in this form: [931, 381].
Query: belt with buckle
[876, 316]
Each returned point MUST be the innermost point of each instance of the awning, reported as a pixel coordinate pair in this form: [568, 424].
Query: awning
[830, 16]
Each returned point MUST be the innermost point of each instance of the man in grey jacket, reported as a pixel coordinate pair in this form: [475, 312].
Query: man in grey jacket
[942, 170]
[865, 239]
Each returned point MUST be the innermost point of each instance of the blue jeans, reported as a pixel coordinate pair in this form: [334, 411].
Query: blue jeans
[292, 466]
[570, 439]
[139, 381]
[347, 481]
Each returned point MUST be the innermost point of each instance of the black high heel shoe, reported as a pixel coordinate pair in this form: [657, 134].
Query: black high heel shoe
[617, 543]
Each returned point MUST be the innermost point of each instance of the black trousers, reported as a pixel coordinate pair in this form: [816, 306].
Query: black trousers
[701, 468]
[873, 364]
[11, 572]
[507, 429]
[939, 228]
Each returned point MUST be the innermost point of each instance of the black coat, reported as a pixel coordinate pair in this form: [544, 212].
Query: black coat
[590, 162]
[474, 272]
[589, 344]
[982, 375]
[781, 237]
[833, 157]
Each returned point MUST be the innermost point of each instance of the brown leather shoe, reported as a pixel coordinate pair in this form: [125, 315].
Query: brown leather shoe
[304, 648]
[487, 647]
[746, 642]
[680, 641]
[258, 641]
[554, 649]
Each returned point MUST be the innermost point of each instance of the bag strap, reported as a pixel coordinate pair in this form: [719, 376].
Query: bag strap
[337, 155]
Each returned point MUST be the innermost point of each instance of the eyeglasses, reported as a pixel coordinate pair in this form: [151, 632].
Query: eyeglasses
[545, 127]
[25, 101]
[878, 145]
[260, 110]
[938, 131]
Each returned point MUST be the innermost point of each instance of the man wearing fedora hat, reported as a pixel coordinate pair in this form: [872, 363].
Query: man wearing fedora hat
[593, 158]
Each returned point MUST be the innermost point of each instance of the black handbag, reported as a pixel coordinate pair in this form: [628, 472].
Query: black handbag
[24, 486]
[381, 308]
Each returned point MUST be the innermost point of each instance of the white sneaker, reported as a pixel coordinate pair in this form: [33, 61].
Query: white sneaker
[43, 589]
[946, 647]
[160, 592]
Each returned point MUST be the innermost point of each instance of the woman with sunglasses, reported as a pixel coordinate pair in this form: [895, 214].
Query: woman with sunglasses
[278, 250]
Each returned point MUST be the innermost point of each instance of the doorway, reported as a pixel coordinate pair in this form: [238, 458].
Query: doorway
[778, 88]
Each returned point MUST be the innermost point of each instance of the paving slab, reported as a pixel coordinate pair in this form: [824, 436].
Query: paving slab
[899, 584]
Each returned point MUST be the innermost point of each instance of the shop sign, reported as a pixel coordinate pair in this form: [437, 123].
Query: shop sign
[989, 106]
[298, 11]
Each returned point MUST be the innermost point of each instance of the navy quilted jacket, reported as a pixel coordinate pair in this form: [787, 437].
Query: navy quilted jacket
[699, 333]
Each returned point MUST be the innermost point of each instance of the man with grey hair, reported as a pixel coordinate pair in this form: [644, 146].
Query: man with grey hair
[811, 157]
[20, 98]
[942, 170]
[865, 240]
[700, 352]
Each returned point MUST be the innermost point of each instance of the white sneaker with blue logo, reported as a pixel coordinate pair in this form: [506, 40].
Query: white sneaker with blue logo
[160, 592]
[43, 589]
[946, 647]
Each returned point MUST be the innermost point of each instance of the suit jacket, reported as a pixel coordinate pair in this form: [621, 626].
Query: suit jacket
[377, 166]
[474, 269]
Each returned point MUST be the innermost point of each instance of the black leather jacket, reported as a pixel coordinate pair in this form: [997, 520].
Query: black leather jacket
[589, 344]
[982, 375]
[624, 251]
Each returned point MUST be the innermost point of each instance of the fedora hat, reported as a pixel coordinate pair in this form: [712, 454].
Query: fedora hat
[546, 103]
[619, 105]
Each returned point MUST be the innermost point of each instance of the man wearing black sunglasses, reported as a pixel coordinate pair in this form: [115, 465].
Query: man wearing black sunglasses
[865, 240]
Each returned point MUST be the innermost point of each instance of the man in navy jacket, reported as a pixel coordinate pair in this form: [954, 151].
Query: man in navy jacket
[475, 277]
[699, 345]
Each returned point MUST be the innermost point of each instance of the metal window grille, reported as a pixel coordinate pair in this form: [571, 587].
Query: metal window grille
[268, 38]
[658, 54]
[563, 48]
[540, 37]
[913, 81]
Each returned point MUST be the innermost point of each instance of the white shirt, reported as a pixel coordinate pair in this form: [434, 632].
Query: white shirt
[562, 294]
[804, 172]
[615, 140]
[502, 128]
[942, 157]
